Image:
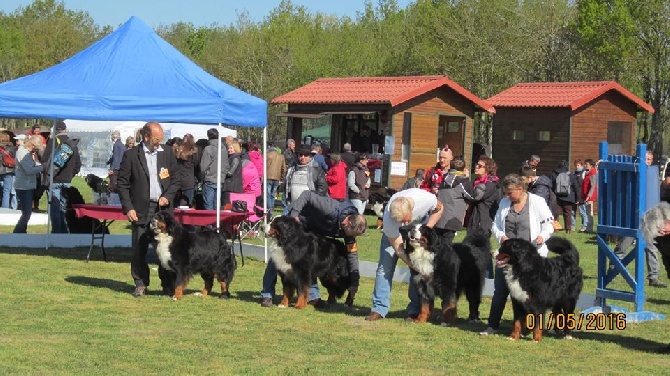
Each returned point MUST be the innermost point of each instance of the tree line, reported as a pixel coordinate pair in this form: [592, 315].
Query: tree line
[484, 45]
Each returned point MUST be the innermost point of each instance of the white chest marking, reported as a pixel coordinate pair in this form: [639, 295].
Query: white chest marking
[163, 250]
[278, 256]
[422, 260]
[514, 286]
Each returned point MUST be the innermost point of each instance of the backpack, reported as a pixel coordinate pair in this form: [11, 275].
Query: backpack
[563, 184]
[62, 154]
[7, 159]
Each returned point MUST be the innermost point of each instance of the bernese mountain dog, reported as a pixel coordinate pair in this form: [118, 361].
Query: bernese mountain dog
[537, 283]
[184, 253]
[455, 269]
[76, 225]
[301, 257]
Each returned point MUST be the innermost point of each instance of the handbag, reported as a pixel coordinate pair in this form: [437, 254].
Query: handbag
[239, 206]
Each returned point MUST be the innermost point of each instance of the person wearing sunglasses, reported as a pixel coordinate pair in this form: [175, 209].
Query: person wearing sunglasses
[486, 195]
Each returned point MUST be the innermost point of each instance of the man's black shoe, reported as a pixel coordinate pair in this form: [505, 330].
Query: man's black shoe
[657, 283]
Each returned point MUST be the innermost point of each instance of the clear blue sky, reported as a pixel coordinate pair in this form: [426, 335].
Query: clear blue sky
[198, 12]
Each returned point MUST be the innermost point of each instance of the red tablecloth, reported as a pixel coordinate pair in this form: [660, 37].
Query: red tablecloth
[109, 213]
[187, 217]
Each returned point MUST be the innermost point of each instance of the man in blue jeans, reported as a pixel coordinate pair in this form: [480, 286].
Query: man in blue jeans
[326, 217]
[62, 177]
[208, 168]
[409, 207]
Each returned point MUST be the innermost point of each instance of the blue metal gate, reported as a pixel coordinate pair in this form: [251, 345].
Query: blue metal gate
[622, 200]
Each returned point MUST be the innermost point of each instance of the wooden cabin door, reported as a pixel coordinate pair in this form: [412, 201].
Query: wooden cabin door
[451, 131]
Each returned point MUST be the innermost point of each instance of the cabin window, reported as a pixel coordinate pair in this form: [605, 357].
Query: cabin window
[517, 135]
[406, 135]
[544, 136]
[619, 137]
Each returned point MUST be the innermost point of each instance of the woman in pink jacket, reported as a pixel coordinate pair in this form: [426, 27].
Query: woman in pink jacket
[256, 157]
[251, 183]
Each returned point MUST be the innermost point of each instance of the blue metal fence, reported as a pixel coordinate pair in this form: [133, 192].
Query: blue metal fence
[622, 200]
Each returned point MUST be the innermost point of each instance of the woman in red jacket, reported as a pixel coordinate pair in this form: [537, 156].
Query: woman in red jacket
[337, 177]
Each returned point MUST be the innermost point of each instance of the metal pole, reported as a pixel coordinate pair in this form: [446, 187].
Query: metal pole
[265, 189]
[51, 181]
[219, 129]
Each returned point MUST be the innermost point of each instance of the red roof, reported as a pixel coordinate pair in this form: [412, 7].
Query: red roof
[561, 94]
[373, 90]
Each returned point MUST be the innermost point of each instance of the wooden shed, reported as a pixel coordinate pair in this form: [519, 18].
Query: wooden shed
[409, 118]
[562, 121]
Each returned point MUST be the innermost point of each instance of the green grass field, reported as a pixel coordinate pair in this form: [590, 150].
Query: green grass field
[64, 316]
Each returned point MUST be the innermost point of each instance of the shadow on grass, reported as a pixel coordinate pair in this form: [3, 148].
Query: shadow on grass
[106, 283]
[658, 301]
[124, 287]
[338, 308]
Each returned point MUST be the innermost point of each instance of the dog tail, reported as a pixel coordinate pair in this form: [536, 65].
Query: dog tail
[565, 248]
[479, 240]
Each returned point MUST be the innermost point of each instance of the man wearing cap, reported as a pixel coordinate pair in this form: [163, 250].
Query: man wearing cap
[62, 177]
[146, 183]
[305, 176]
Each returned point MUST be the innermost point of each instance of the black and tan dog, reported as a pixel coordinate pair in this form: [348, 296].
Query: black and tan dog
[453, 269]
[184, 253]
[537, 283]
[301, 257]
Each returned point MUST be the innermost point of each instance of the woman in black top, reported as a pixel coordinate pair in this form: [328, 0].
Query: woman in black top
[187, 157]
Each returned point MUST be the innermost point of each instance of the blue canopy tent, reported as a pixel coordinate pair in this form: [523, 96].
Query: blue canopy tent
[131, 74]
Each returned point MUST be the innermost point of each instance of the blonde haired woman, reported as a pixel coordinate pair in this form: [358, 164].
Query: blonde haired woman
[409, 207]
[524, 215]
[233, 182]
[26, 169]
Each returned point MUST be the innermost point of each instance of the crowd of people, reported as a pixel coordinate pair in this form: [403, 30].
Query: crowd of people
[327, 194]
[25, 173]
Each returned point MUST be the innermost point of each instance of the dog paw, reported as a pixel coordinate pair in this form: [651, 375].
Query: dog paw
[445, 325]
[568, 337]
[282, 306]
[174, 298]
[224, 296]
[198, 294]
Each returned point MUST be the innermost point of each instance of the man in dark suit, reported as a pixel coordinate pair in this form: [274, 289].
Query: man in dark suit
[149, 172]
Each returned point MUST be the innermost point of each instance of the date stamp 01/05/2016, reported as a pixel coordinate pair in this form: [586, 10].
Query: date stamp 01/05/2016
[573, 321]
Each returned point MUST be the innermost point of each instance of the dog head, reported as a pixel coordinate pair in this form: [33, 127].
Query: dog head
[96, 183]
[163, 223]
[283, 228]
[512, 251]
[418, 236]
